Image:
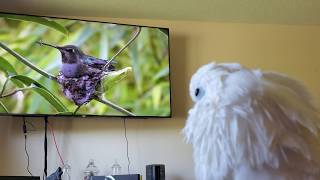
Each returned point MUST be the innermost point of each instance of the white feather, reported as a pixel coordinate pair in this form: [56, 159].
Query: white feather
[248, 124]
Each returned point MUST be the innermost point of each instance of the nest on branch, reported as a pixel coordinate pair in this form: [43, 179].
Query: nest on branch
[83, 89]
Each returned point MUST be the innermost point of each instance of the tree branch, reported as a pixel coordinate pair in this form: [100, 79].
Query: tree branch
[76, 110]
[14, 92]
[4, 86]
[4, 107]
[134, 36]
[27, 62]
[114, 106]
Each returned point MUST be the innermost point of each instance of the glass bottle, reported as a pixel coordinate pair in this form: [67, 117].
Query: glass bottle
[66, 169]
[91, 170]
[116, 168]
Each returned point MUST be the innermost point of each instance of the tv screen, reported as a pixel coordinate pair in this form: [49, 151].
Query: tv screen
[58, 66]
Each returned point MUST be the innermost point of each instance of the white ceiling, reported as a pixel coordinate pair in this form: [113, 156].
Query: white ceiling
[247, 11]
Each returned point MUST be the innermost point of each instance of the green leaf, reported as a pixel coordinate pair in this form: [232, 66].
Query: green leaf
[43, 91]
[156, 96]
[39, 20]
[115, 77]
[9, 70]
[7, 67]
[138, 75]
[164, 31]
[27, 81]
[104, 43]
[53, 100]
[162, 73]
[17, 82]
[65, 113]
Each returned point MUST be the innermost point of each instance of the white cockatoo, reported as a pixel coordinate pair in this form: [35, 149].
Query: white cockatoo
[252, 125]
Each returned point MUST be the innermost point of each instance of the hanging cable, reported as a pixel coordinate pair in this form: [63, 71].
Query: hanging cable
[127, 143]
[45, 170]
[25, 132]
[55, 143]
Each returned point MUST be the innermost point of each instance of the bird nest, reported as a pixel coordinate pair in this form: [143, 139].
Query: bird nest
[81, 90]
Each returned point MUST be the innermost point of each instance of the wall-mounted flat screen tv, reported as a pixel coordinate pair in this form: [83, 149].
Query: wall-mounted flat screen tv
[58, 66]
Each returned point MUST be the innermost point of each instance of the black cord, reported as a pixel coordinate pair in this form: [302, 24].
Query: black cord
[25, 131]
[127, 143]
[28, 157]
[45, 147]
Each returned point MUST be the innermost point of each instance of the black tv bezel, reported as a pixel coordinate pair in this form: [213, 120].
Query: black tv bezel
[90, 115]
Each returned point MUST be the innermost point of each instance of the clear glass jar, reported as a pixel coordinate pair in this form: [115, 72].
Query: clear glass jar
[66, 169]
[91, 170]
[116, 168]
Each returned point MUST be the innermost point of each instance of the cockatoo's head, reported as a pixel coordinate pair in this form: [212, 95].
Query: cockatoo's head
[212, 82]
[208, 77]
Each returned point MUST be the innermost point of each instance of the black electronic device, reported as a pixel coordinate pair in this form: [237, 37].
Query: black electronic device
[155, 172]
[120, 177]
[19, 178]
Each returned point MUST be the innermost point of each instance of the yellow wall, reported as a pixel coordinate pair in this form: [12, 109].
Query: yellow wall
[294, 50]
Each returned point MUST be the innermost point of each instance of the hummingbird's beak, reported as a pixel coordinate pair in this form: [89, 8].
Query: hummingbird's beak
[46, 44]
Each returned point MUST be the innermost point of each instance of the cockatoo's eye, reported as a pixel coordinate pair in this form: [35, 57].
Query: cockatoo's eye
[196, 93]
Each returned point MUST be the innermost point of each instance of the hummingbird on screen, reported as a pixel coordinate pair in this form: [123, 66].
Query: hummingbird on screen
[75, 63]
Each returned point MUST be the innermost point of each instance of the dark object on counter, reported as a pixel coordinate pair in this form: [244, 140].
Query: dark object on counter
[119, 177]
[19, 178]
[56, 175]
[155, 172]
